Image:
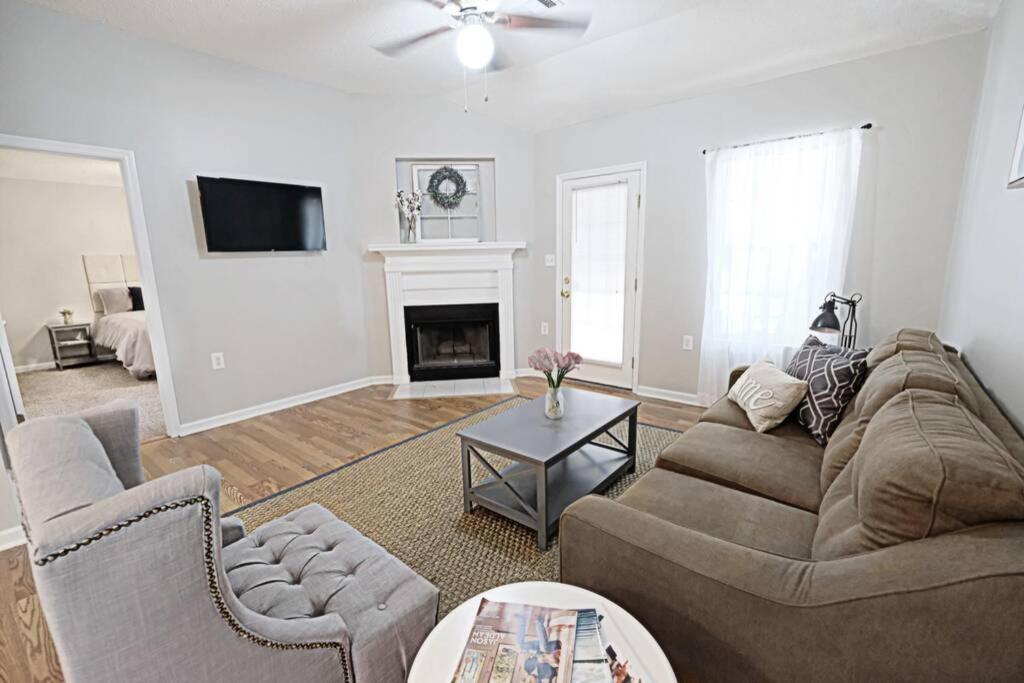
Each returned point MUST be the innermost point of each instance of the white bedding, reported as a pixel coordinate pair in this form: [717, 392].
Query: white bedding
[128, 335]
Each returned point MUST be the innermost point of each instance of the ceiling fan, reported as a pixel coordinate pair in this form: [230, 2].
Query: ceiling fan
[472, 19]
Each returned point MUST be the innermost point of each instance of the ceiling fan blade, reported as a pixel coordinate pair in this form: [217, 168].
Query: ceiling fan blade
[396, 48]
[521, 21]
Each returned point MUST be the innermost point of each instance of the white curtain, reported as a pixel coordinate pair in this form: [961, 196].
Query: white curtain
[779, 221]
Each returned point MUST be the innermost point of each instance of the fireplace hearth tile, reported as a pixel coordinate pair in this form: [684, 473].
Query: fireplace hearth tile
[451, 388]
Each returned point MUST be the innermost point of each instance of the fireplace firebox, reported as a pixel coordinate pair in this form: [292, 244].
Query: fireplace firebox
[452, 342]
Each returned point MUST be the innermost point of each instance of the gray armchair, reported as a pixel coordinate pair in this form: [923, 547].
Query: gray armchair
[136, 584]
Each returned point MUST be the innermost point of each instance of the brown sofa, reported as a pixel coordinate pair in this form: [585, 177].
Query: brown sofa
[895, 553]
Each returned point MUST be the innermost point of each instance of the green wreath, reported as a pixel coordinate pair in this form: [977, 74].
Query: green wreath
[447, 200]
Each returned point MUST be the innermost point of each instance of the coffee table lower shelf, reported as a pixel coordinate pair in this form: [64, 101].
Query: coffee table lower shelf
[591, 469]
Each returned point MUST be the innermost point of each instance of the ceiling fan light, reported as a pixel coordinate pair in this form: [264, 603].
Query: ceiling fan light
[474, 46]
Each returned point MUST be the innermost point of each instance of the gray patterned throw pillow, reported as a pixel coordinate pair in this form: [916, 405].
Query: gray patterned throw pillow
[833, 375]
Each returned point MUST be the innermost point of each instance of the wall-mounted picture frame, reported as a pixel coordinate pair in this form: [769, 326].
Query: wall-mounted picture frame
[1017, 169]
[459, 225]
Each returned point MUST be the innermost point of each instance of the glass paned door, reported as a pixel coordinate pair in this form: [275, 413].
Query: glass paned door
[597, 293]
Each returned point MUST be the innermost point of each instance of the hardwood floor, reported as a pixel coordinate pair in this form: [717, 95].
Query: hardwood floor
[258, 457]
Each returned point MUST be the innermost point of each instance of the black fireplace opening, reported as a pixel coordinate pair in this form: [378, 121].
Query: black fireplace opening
[458, 341]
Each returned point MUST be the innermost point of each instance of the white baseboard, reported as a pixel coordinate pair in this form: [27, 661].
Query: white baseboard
[280, 404]
[669, 395]
[649, 392]
[11, 538]
[31, 367]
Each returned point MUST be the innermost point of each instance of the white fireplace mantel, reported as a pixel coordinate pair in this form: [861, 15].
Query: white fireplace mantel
[441, 274]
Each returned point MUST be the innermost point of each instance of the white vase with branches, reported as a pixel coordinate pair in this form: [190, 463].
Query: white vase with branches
[410, 205]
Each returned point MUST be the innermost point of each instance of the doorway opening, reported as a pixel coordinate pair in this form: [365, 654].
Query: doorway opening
[81, 324]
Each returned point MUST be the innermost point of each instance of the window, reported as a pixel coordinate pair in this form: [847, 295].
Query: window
[779, 222]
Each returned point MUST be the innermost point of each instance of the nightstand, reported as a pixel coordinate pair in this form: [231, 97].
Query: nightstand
[72, 344]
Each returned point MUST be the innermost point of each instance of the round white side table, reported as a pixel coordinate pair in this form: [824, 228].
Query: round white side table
[441, 651]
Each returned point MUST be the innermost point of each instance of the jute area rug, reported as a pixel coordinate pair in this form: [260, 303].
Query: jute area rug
[408, 499]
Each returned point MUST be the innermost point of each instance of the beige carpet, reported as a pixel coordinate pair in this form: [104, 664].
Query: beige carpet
[62, 392]
[408, 498]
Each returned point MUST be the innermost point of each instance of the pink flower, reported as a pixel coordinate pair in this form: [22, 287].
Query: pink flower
[542, 360]
[553, 364]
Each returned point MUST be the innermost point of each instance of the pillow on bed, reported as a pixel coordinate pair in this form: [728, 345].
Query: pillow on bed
[135, 293]
[115, 300]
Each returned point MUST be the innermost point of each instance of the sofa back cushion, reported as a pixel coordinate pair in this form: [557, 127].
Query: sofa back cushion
[902, 371]
[907, 339]
[59, 466]
[926, 465]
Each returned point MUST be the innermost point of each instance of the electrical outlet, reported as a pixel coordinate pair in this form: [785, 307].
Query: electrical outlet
[544, 328]
[549, 260]
[687, 343]
[217, 360]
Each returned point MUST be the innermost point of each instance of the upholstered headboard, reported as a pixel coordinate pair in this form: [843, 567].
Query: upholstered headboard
[109, 270]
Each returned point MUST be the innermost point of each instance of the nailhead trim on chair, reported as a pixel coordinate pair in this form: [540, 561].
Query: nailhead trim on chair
[211, 577]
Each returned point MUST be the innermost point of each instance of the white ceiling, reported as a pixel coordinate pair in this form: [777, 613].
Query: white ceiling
[636, 52]
[21, 164]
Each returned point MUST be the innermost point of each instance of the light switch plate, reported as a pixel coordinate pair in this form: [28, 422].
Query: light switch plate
[549, 260]
[544, 328]
[687, 343]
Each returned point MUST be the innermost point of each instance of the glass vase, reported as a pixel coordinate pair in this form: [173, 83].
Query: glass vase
[554, 403]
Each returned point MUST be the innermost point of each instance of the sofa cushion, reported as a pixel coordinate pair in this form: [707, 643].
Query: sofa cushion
[59, 466]
[912, 370]
[926, 466]
[784, 470]
[725, 412]
[842, 447]
[724, 513]
[907, 339]
[902, 371]
[767, 395]
[833, 375]
[309, 563]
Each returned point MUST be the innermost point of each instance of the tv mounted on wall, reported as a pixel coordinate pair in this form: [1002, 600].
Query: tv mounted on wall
[250, 215]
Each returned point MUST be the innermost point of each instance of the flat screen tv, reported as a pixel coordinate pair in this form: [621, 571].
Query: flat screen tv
[250, 215]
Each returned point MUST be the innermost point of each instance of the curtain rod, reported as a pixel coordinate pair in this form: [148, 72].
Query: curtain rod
[866, 126]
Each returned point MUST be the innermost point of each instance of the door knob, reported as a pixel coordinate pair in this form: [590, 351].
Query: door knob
[566, 279]
[566, 293]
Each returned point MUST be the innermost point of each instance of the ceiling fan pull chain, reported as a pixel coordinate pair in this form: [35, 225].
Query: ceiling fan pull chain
[487, 98]
[465, 91]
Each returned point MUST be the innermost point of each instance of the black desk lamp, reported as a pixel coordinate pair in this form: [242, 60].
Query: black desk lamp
[828, 321]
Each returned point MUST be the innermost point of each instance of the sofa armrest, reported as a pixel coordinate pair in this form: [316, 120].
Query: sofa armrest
[231, 529]
[725, 611]
[736, 373]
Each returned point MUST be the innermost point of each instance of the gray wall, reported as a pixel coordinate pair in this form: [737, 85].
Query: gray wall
[922, 101]
[287, 324]
[983, 311]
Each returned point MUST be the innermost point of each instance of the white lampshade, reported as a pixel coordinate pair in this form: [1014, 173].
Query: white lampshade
[475, 46]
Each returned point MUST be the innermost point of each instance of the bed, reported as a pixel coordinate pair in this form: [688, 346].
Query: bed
[122, 335]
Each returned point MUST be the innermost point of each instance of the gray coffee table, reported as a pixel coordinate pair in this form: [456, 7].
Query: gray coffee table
[555, 462]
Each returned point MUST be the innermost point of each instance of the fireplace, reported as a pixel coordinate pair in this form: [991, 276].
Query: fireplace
[452, 342]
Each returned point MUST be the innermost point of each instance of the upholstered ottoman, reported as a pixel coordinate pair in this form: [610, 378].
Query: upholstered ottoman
[309, 563]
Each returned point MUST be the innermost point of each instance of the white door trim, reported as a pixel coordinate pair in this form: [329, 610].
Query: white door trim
[140, 233]
[560, 179]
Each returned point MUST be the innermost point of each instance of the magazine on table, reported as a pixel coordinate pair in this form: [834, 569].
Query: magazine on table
[517, 643]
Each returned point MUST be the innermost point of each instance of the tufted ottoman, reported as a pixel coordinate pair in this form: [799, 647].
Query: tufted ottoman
[309, 563]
